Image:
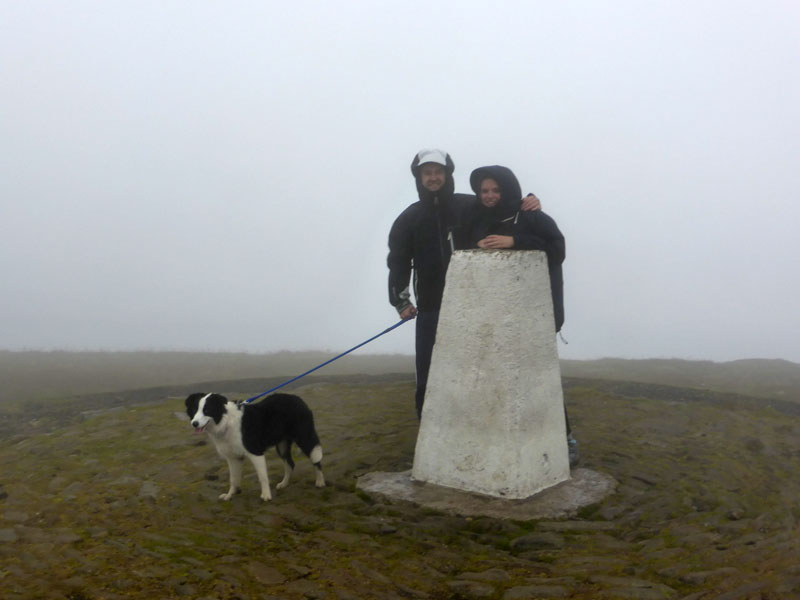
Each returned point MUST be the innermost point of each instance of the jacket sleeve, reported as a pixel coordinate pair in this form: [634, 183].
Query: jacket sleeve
[399, 262]
[536, 230]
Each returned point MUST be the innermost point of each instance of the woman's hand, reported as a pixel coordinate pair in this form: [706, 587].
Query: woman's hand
[496, 242]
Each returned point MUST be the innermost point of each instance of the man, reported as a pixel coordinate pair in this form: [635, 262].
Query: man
[422, 239]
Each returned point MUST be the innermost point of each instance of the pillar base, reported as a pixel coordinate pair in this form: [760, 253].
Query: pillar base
[562, 501]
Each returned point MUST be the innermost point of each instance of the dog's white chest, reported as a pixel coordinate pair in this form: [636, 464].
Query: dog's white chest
[227, 436]
[229, 444]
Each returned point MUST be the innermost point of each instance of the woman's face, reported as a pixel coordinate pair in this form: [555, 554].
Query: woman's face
[489, 193]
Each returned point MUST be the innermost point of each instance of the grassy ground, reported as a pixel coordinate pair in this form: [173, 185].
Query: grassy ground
[121, 502]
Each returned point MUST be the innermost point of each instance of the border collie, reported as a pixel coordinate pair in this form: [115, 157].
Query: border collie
[248, 430]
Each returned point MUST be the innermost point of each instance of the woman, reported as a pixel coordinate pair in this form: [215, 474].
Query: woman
[498, 223]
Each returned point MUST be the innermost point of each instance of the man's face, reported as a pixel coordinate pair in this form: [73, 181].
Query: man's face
[432, 176]
[490, 193]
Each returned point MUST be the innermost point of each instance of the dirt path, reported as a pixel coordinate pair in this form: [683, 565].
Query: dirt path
[123, 505]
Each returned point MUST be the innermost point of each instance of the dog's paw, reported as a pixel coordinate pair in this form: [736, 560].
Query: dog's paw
[229, 494]
[281, 485]
[266, 497]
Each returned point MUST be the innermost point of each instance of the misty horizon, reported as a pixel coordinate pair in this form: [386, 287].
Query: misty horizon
[222, 178]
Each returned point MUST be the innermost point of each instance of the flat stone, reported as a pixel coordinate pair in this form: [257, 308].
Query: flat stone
[371, 573]
[72, 490]
[8, 535]
[126, 480]
[97, 532]
[589, 564]
[604, 542]
[488, 575]
[57, 483]
[623, 581]
[411, 592]
[742, 592]
[265, 574]
[538, 541]
[563, 500]
[66, 537]
[470, 589]
[309, 589]
[148, 490]
[340, 537]
[577, 526]
[631, 587]
[14, 516]
[700, 577]
[535, 592]
[636, 593]
[700, 540]
[33, 535]
[182, 588]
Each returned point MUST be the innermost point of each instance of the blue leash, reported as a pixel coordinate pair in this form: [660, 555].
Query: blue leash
[328, 361]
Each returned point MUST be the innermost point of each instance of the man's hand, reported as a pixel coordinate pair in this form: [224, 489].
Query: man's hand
[496, 242]
[531, 202]
[411, 311]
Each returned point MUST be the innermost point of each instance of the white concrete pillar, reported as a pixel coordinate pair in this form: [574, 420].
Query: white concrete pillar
[493, 419]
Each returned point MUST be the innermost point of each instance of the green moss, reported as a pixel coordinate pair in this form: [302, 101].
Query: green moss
[364, 497]
[590, 512]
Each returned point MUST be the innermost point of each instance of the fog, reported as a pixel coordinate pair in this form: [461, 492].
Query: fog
[223, 176]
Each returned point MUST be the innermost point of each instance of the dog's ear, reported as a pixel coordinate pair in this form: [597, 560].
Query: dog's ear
[193, 399]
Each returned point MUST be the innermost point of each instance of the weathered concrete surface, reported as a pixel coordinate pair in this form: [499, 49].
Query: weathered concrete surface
[493, 420]
[561, 501]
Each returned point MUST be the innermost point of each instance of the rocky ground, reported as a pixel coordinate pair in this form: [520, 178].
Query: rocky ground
[121, 502]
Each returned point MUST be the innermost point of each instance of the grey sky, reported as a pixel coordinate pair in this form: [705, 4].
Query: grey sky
[223, 175]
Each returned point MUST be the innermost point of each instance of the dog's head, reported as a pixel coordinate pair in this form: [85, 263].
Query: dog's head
[205, 409]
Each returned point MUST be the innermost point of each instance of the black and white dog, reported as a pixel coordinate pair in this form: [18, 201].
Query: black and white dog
[248, 430]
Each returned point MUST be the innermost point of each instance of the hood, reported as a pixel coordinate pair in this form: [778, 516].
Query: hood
[424, 156]
[510, 190]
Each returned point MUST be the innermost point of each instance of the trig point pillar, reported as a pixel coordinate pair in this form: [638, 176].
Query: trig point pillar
[493, 419]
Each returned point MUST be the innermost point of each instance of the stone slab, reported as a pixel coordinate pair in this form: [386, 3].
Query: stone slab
[561, 501]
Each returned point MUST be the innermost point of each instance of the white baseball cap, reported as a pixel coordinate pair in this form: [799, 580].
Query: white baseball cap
[432, 156]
